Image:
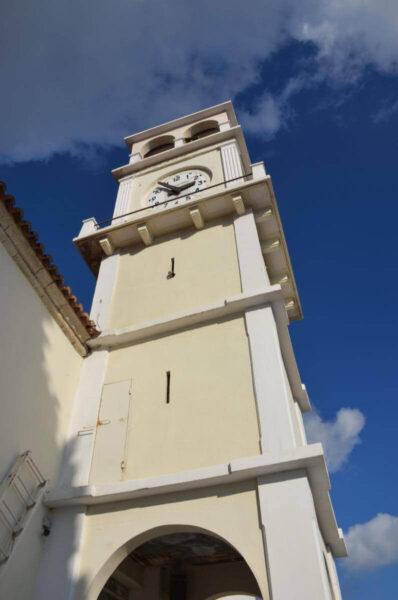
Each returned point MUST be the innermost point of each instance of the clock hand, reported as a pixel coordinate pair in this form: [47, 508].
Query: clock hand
[186, 185]
[172, 188]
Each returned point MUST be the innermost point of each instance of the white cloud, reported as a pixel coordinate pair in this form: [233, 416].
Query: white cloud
[77, 74]
[385, 112]
[267, 117]
[339, 437]
[272, 112]
[373, 544]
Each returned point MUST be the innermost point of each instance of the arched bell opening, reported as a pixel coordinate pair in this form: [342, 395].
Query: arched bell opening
[182, 565]
[158, 145]
[202, 129]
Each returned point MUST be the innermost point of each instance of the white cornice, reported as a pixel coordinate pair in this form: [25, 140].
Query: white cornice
[182, 121]
[223, 308]
[308, 457]
[234, 133]
[256, 194]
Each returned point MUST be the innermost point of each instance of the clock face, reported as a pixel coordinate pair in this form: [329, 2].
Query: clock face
[178, 188]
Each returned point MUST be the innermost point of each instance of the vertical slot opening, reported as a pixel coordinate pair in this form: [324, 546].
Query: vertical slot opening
[171, 273]
[168, 387]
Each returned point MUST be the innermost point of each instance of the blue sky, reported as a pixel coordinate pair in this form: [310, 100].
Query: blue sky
[316, 90]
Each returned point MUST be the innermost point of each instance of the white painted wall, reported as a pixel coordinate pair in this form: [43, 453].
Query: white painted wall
[39, 371]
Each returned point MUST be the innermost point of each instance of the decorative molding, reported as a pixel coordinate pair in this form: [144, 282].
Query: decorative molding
[197, 217]
[231, 162]
[122, 198]
[225, 125]
[106, 246]
[239, 205]
[290, 305]
[204, 314]
[226, 307]
[282, 279]
[264, 216]
[190, 119]
[145, 234]
[271, 246]
[257, 195]
[234, 133]
[134, 157]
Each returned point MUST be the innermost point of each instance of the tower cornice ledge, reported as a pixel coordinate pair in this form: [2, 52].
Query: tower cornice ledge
[224, 308]
[309, 458]
[257, 195]
[234, 133]
[190, 119]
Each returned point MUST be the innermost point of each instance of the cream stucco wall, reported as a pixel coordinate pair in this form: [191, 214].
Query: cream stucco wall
[206, 270]
[211, 417]
[111, 533]
[39, 372]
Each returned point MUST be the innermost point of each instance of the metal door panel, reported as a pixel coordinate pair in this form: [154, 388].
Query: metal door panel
[111, 434]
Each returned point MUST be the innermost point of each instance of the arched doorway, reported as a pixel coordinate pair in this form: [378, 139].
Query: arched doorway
[182, 565]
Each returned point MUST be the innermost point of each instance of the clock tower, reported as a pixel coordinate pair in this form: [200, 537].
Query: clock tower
[187, 475]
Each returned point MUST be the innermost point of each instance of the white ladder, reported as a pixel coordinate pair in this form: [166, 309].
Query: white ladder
[19, 492]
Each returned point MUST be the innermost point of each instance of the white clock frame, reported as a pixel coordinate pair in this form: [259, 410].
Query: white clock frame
[164, 199]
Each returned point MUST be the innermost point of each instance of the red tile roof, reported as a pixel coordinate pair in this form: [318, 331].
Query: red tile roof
[46, 260]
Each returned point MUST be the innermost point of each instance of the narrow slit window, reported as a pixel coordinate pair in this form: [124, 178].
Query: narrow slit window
[172, 272]
[168, 377]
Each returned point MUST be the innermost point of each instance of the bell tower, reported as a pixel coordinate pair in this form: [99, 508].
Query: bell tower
[187, 474]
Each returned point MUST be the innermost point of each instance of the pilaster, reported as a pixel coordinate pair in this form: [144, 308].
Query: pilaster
[231, 162]
[59, 572]
[291, 537]
[274, 414]
[79, 448]
[122, 198]
[78, 453]
[106, 282]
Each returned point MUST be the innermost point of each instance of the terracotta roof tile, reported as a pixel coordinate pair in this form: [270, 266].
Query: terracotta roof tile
[46, 260]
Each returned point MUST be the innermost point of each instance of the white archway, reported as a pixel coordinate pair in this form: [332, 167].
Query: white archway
[215, 580]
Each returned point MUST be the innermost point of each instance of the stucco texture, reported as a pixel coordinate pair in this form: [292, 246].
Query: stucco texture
[211, 415]
[206, 270]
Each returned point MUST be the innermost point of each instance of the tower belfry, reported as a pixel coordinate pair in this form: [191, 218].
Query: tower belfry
[187, 474]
